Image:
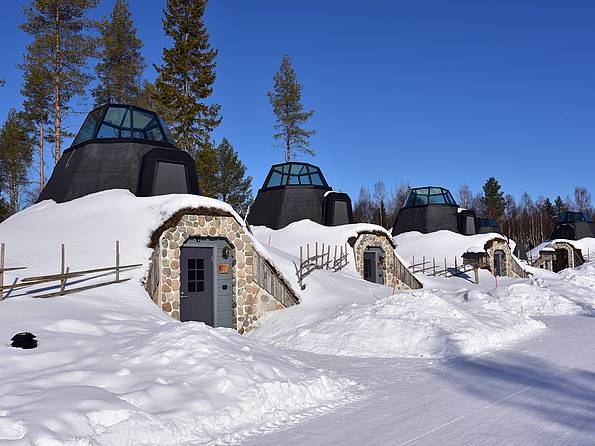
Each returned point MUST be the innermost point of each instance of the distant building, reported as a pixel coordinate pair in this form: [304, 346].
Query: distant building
[573, 226]
[297, 191]
[430, 209]
[122, 147]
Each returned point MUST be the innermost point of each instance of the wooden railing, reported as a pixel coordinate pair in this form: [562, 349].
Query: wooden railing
[268, 279]
[439, 268]
[404, 274]
[320, 260]
[518, 269]
[63, 276]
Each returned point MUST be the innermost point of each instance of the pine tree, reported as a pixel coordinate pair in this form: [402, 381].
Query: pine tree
[186, 78]
[121, 63]
[16, 153]
[493, 199]
[37, 90]
[207, 170]
[234, 186]
[559, 206]
[59, 29]
[548, 208]
[286, 101]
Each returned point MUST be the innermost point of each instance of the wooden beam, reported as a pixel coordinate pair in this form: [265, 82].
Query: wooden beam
[82, 288]
[79, 273]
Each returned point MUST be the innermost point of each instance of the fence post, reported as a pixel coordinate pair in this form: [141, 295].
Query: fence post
[117, 260]
[423, 265]
[62, 270]
[413, 264]
[476, 271]
[434, 264]
[328, 256]
[445, 269]
[2, 271]
[335, 258]
[456, 266]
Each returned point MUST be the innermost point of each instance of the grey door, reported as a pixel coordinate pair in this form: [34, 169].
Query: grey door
[370, 264]
[196, 287]
[499, 263]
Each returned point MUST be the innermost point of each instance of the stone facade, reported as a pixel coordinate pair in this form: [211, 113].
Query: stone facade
[574, 256]
[372, 240]
[250, 299]
[501, 244]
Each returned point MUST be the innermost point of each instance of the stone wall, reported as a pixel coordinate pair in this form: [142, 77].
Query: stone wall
[250, 300]
[371, 240]
[500, 244]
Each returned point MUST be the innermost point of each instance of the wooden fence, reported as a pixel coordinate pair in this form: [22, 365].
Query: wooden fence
[268, 279]
[439, 268]
[320, 260]
[63, 276]
[404, 275]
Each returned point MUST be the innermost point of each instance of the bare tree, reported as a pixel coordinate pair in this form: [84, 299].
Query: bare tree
[582, 199]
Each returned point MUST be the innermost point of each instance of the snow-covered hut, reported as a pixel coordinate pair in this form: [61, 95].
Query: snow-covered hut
[122, 147]
[429, 209]
[297, 191]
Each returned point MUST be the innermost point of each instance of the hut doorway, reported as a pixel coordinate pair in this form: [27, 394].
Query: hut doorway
[209, 263]
[560, 260]
[499, 263]
[196, 285]
[374, 265]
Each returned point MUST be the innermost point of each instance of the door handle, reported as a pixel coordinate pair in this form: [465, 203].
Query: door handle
[182, 295]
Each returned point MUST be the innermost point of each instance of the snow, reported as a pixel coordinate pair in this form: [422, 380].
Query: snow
[340, 314]
[441, 245]
[586, 245]
[110, 367]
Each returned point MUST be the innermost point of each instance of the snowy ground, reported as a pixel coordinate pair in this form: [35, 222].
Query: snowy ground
[539, 392]
[351, 364]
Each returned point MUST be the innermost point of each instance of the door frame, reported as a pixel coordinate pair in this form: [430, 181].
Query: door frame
[211, 242]
[213, 279]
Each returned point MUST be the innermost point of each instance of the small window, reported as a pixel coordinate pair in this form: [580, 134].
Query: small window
[88, 129]
[170, 178]
[340, 213]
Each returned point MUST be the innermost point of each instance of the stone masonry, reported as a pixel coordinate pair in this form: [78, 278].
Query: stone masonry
[250, 300]
[372, 240]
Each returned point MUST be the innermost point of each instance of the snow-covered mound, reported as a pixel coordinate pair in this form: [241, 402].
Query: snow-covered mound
[441, 245]
[298, 234]
[586, 245]
[409, 324]
[111, 368]
[341, 314]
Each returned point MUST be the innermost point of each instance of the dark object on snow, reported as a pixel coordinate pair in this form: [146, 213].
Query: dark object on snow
[573, 226]
[122, 147]
[430, 209]
[24, 340]
[297, 191]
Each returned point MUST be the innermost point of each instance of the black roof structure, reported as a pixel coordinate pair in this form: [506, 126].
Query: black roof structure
[432, 208]
[573, 226]
[296, 191]
[122, 147]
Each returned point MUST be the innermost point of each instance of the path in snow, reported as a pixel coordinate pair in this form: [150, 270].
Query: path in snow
[541, 391]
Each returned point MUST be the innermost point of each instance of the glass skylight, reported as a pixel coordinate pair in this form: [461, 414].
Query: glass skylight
[294, 174]
[423, 196]
[123, 122]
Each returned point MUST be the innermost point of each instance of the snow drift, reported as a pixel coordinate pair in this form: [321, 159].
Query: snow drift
[110, 367]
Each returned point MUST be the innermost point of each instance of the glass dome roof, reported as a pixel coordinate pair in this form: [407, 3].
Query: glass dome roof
[422, 196]
[115, 121]
[573, 217]
[294, 174]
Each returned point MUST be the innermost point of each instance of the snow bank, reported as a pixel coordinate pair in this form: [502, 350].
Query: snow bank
[111, 368]
[409, 324]
[441, 245]
[586, 245]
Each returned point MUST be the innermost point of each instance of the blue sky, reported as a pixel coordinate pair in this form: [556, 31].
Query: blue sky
[430, 92]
